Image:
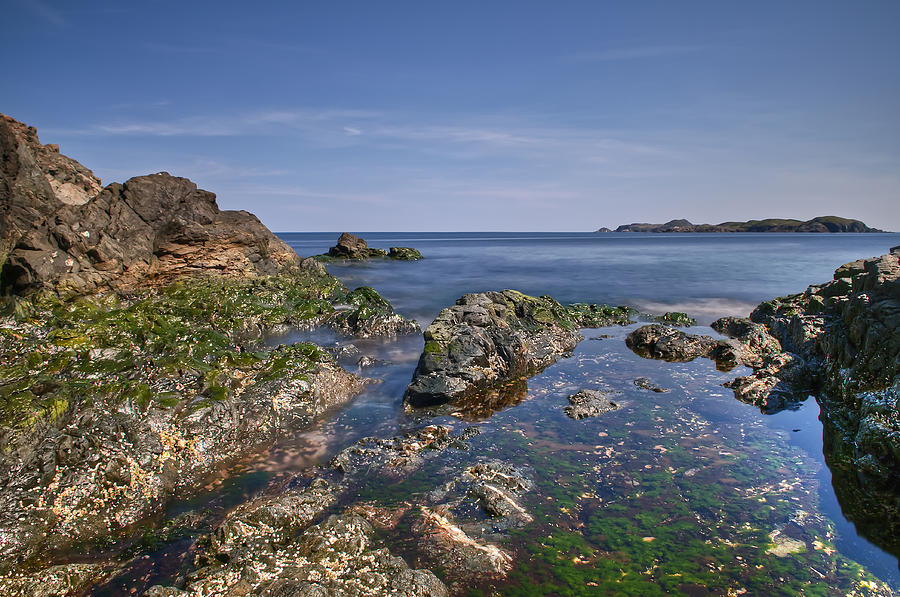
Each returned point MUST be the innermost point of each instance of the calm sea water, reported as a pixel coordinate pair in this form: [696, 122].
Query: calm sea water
[710, 275]
[706, 275]
[680, 481]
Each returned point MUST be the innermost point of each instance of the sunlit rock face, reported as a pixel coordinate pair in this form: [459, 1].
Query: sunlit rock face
[59, 228]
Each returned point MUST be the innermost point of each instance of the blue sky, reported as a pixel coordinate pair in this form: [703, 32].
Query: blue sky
[475, 115]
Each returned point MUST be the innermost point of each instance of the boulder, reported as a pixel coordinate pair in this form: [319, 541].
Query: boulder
[350, 246]
[492, 338]
[589, 403]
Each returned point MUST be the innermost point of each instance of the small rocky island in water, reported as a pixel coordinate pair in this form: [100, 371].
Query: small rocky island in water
[137, 370]
[820, 224]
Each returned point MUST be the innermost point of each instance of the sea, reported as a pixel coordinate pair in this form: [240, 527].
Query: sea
[673, 493]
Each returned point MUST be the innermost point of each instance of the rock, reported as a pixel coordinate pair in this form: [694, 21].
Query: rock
[852, 337]
[404, 254]
[660, 342]
[334, 557]
[61, 230]
[676, 318]
[353, 247]
[492, 338]
[66, 579]
[646, 384]
[779, 380]
[497, 486]
[365, 313]
[589, 403]
[349, 246]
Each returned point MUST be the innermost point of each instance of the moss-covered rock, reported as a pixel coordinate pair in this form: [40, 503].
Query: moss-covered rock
[676, 318]
[490, 339]
[404, 254]
[111, 403]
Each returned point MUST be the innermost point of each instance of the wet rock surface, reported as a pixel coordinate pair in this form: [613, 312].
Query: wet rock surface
[849, 330]
[646, 384]
[779, 380]
[491, 338]
[589, 403]
[62, 230]
[323, 537]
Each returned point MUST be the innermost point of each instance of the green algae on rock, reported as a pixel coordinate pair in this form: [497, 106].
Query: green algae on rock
[110, 404]
[492, 338]
[354, 248]
[676, 318]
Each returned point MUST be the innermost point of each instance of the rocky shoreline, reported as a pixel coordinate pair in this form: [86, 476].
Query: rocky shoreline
[134, 365]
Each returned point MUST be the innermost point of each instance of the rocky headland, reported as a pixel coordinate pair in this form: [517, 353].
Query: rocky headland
[820, 224]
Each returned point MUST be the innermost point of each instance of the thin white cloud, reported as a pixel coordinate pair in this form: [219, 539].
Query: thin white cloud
[634, 53]
[352, 131]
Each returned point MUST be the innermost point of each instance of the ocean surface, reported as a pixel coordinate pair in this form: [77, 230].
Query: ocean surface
[674, 487]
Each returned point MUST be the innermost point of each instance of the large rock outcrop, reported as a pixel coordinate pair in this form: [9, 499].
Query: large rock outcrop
[849, 331]
[59, 228]
[492, 338]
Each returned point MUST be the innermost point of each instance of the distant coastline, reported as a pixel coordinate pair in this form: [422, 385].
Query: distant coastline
[829, 224]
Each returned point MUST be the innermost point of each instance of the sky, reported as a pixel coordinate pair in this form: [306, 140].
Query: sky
[437, 116]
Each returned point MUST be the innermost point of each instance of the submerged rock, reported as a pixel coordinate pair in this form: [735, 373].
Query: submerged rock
[65, 579]
[589, 403]
[646, 384]
[676, 318]
[492, 338]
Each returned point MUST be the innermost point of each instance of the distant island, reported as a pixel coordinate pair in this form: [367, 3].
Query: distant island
[820, 224]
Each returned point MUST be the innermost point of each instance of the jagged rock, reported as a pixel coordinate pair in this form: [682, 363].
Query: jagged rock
[491, 338]
[661, 342]
[589, 403]
[350, 246]
[779, 379]
[849, 330]
[334, 557]
[61, 230]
